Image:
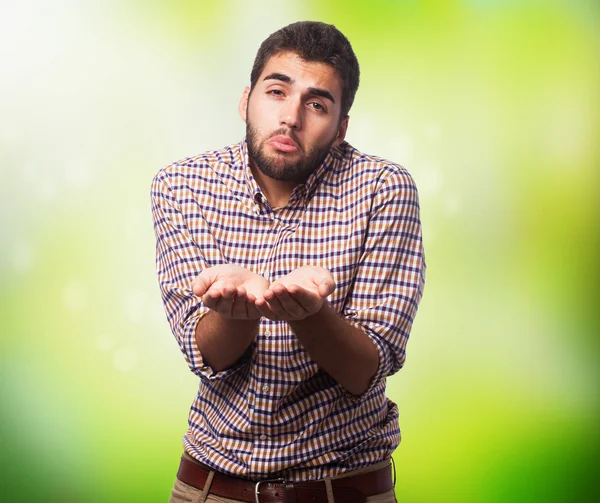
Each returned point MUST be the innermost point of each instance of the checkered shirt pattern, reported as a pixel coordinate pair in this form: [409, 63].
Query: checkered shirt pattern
[275, 412]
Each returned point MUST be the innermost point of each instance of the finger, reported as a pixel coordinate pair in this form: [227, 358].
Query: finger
[263, 308]
[212, 298]
[238, 307]
[243, 306]
[203, 281]
[274, 289]
[215, 301]
[253, 312]
[307, 299]
[290, 307]
[225, 307]
[274, 303]
[229, 292]
[326, 287]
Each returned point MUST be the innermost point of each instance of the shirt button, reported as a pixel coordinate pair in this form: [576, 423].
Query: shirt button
[265, 388]
[266, 276]
[263, 437]
[267, 333]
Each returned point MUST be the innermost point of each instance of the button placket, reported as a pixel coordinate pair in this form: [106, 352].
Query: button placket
[271, 245]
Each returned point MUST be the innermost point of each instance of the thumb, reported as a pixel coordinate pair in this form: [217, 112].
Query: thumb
[326, 287]
[202, 282]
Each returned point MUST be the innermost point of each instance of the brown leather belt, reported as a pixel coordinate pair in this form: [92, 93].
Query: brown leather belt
[351, 489]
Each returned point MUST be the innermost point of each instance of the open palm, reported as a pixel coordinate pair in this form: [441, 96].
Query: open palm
[230, 290]
[297, 295]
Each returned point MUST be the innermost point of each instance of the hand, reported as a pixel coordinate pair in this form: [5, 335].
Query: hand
[299, 294]
[230, 290]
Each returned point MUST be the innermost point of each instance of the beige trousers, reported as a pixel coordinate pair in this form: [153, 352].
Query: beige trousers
[183, 493]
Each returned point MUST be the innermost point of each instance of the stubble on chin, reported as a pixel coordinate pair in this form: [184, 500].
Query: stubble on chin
[279, 167]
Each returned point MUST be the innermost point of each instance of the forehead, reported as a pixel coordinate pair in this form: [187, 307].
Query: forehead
[304, 73]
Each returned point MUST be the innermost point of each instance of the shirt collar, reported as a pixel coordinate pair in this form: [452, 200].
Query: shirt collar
[327, 167]
[303, 192]
[253, 188]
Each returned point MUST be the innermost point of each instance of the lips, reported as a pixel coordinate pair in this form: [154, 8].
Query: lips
[283, 143]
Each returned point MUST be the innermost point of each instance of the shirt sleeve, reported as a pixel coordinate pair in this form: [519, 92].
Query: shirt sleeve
[389, 282]
[179, 260]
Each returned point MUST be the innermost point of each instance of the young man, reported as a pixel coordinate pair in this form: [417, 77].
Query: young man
[291, 267]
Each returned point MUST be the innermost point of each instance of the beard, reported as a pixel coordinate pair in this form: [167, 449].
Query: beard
[279, 167]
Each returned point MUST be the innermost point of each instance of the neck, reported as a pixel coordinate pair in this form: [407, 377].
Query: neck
[277, 192]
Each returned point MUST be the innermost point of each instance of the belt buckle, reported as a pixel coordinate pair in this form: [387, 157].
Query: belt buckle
[266, 481]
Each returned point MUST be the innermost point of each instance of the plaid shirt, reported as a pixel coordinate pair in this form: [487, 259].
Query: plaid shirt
[275, 412]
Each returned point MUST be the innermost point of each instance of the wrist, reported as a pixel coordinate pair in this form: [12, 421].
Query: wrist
[240, 323]
[316, 319]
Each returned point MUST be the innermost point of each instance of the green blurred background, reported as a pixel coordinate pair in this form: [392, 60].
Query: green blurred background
[492, 105]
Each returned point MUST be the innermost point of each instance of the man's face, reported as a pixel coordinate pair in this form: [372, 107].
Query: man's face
[292, 117]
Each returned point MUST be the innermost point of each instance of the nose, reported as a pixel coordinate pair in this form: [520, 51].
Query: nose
[291, 114]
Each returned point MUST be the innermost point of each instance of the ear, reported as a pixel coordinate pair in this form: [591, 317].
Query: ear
[341, 134]
[243, 105]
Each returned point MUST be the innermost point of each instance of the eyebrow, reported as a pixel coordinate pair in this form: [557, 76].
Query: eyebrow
[323, 93]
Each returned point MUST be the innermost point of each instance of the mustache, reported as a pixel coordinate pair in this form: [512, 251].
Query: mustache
[287, 132]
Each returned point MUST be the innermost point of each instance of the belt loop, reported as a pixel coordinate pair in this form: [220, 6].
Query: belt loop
[205, 490]
[329, 490]
[290, 493]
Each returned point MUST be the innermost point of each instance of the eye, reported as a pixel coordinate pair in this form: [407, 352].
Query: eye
[275, 92]
[317, 106]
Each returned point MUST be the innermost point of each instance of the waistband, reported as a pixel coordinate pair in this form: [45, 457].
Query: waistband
[353, 487]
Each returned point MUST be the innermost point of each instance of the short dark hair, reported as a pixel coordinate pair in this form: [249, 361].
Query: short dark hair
[318, 42]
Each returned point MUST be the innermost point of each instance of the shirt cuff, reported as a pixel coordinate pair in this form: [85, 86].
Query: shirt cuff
[383, 368]
[194, 357]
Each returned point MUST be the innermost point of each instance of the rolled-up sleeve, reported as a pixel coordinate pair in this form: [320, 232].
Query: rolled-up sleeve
[179, 260]
[389, 282]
